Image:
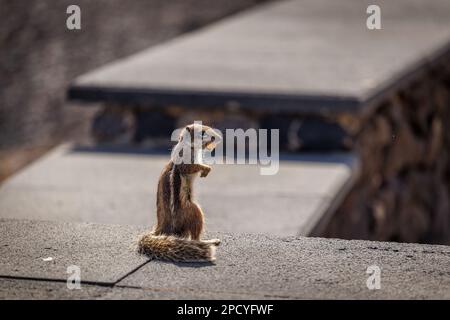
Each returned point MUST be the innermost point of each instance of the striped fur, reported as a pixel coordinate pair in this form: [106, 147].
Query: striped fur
[180, 220]
[177, 249]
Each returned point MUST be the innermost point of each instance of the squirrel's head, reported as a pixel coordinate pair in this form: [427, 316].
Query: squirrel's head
[200, 136]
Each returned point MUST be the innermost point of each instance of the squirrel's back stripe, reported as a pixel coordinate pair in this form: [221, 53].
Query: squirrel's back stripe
[172, 191]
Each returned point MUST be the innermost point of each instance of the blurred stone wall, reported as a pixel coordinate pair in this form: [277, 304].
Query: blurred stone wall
[403, 192]
[39, 56]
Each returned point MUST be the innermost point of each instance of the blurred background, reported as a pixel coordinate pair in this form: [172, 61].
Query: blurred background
[39, 57]
[402, 192]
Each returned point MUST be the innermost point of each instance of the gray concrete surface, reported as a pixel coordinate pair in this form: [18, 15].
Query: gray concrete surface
[310, 55]
[308, 268]
[104, 253]
[248, 266]
[20, 289]
[114, 188]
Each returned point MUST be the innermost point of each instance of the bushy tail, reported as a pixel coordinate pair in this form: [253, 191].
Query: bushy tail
[176, 249]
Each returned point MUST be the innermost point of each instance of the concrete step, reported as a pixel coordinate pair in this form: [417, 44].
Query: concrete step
[310, 56]
[248, 266]
[82, 185]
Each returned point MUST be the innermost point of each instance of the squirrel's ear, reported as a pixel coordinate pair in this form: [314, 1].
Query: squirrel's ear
[188, 129]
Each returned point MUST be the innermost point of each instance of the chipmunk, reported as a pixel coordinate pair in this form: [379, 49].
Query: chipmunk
[180, 220]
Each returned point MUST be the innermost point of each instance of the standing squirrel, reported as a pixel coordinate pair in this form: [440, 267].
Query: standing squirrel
[180, 220]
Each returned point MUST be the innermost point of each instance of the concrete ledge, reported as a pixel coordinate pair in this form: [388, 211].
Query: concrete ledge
[120, 188]
[20, 289]
[248, 266]
[282, 56]
[103, 252]
[25, 289]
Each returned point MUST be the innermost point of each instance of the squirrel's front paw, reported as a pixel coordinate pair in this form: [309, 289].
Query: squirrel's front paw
[214, 242]
[205, 172]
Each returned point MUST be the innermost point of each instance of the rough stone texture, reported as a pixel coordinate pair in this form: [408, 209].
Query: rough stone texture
[249, 266]
[104, 253]
[177, 294]
[19, 289]
[321, 51]
[307, 268]
[120, 188]
[403, 192]
[23, 289]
